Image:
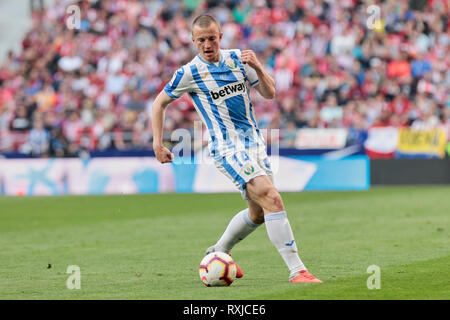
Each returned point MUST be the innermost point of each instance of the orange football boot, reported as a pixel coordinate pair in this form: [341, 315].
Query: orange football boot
[239, 272]
[305, 277]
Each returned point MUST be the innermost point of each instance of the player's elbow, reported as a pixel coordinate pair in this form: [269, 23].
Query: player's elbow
[162, 100]
[267, 90]
[157, 109]
[270, 94]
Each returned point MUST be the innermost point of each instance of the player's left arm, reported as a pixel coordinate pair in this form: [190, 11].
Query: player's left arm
[266, 85]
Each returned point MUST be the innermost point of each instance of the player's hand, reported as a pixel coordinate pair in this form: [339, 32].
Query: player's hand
[163, 154]
[248, 56]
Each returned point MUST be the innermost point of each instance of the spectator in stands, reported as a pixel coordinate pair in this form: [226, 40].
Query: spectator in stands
[289, 135]
[21, 120]
[94, 86]
[58, 143]
[39, 138]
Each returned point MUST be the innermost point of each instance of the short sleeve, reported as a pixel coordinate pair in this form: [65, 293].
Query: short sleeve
[178, 85]
[250, 73]
[252, 76]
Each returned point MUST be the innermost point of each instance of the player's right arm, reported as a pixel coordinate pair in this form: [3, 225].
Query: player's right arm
[158, 113]
[179, 84]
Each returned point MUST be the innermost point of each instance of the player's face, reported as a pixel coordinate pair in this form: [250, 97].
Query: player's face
[207, 41]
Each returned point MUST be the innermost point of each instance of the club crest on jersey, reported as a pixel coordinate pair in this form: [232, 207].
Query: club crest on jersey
[248, 169]
[228, 91]
[231, 63]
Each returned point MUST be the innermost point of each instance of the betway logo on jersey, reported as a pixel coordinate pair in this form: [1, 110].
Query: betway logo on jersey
[228, 91]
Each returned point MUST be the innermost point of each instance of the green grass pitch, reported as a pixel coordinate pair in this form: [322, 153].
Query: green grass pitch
[149, 246]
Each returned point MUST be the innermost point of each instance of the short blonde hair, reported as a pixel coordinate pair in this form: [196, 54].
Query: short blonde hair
[204, 21]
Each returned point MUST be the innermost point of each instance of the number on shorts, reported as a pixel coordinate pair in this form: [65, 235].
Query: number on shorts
[243, 158]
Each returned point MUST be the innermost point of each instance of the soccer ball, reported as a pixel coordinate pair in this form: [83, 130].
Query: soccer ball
[217, 269]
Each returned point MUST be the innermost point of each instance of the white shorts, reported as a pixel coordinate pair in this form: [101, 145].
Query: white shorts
[244, 165]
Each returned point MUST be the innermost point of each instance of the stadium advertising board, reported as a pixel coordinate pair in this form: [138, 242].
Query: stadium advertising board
[421, 143]
[132, 175]
[321, 138]
[381, 142]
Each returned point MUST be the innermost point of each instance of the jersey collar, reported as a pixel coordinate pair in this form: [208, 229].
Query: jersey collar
[211, 63]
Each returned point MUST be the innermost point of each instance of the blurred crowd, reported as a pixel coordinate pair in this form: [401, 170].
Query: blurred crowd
[335, 66]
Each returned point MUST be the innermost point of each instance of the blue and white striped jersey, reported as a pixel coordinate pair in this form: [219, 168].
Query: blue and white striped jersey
[220, 94]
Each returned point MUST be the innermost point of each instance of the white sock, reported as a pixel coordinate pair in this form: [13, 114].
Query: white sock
[280, 233]
[239, 227]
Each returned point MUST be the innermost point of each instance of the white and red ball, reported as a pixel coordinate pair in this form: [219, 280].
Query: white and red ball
[217, 269]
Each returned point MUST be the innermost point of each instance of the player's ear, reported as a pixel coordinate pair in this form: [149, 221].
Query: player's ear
[220, 36]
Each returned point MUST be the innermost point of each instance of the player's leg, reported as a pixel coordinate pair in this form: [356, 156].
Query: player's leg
[255, 212]
[239, 168]
[240, 226]
[246, 221]
[262, 191]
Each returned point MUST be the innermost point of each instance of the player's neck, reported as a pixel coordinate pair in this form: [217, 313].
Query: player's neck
[214, 59]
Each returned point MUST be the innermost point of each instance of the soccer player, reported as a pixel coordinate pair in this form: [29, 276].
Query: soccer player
[216, 81]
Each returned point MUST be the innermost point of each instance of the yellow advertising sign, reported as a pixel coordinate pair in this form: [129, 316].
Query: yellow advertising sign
[422, 142]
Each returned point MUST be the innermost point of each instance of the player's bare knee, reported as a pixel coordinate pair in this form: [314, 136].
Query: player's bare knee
[275, 202]
[278, 202]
